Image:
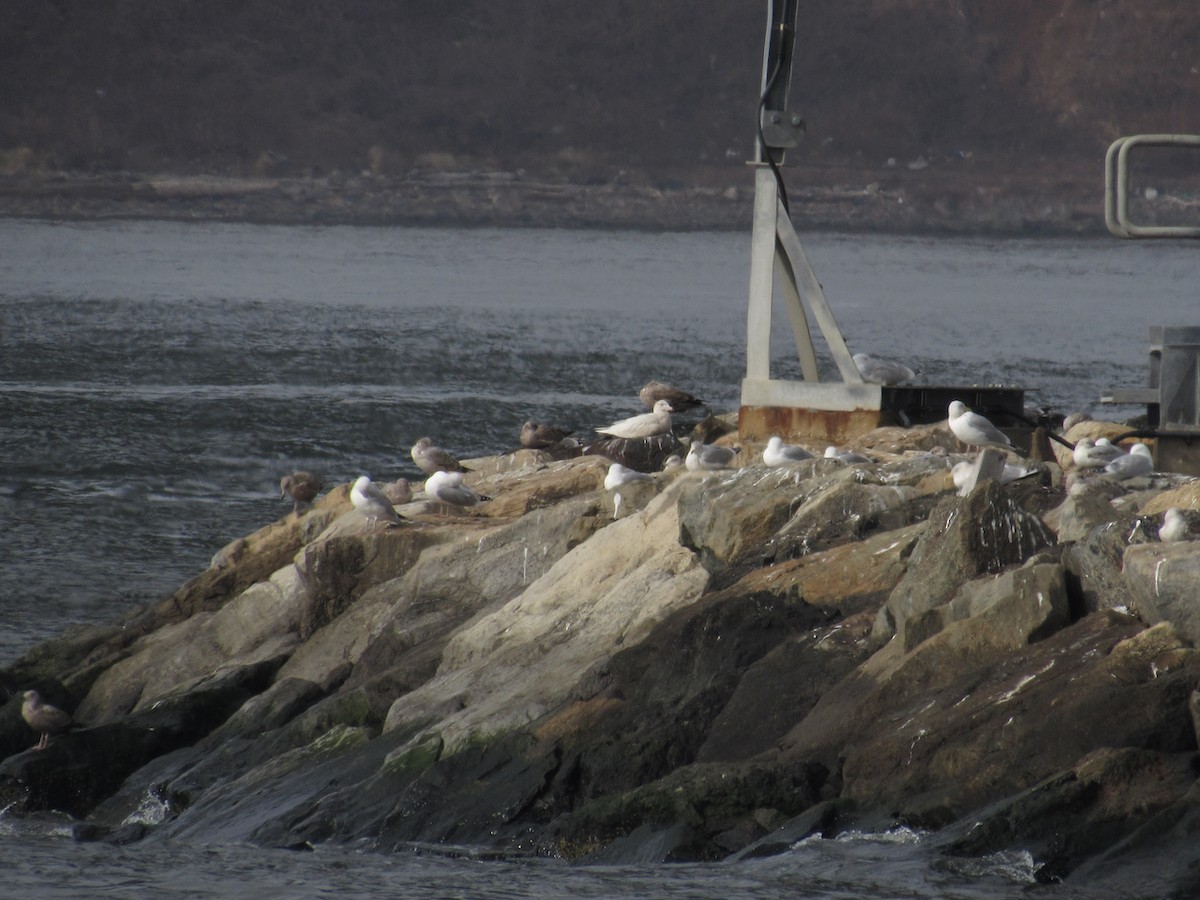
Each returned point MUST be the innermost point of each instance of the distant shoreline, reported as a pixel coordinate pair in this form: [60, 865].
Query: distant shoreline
[947, 202]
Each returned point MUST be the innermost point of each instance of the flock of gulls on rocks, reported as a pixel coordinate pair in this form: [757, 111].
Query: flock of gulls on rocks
[445, 487]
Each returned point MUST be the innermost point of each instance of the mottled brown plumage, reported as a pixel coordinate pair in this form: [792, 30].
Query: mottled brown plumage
[302, 487]
[538, 435]
[430, 458]
[654, 391]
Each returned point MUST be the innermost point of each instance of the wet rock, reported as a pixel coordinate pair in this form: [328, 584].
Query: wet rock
[699, 812]
[82, 767]
[963, 721]
[1074, 814]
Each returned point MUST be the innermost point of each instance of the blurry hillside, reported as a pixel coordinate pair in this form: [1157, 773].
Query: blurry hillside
[965, 105]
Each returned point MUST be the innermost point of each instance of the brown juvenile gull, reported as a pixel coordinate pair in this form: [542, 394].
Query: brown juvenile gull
[448, 488]
[369, 500]
[537, 435]
[430, 458]
[398, 492]
[974, 429]
[43, 718]
[653, 391]
[646, 425]
[302, 487]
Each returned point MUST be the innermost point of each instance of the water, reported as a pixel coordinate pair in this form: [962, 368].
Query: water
[156, 380]
[892, 866]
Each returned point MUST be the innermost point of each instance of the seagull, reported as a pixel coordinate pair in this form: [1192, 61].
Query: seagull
[619, 475]
[777, 452]
[882, 371]
[653, 391]
[302, 487]
[536, 435]
[709, 457]
[369, 500]
[846, 456]
[448, 488]
[43, 718]
[1089, 454]
[974, 429]
[430, 459]
[1138, 461]
[645, 425]
[1174, 526]
[398, 492]
[674, 461]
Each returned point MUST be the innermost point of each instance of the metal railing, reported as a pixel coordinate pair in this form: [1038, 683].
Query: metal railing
[1116, 186]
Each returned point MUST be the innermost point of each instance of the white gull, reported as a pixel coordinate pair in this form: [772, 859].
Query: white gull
[777, 453]
[974, 429]
[369, 500]
[645, 425]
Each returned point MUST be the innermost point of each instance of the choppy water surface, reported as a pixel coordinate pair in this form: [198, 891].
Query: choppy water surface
[156, 380]
[893, 866]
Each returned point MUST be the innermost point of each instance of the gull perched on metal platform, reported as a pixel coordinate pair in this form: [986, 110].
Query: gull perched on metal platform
[883, 371]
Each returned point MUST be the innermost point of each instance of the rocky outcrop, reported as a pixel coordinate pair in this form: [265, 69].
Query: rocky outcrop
[713, 666]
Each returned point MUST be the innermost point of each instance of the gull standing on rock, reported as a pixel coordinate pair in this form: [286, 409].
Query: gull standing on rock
[882, 371]
[619, 475]
[302, 487]
[430, 458]
[646, 425]
[43, 718]
[777, 453]
[369, 500]
[974, 429]
[654, 391]
[708, 457]
[538, 435]
[1138, 461]
[448, 488]
[1089, 454]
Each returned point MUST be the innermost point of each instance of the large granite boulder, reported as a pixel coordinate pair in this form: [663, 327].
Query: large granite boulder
[1164, 584]
[992, 528]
